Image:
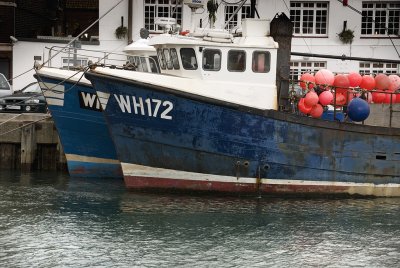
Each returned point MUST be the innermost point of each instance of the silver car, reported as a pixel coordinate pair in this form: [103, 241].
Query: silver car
[5, 88]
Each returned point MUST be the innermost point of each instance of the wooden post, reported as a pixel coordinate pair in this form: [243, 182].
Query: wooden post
[28, 147]
[282, 30]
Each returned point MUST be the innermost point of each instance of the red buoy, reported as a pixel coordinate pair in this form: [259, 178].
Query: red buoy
[303, 107]
[311, 99]
[307, 79]
[325, 98]
[378, 97]
[354, 79]
[324, 77]
[316, 111]
[367, 82]
[382, 82]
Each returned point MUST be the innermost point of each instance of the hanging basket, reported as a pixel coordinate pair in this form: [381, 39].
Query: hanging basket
[346, 36]
[212, 7]
[121, 32]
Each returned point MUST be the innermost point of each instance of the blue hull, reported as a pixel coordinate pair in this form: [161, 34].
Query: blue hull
[194, 143]
[83, 133]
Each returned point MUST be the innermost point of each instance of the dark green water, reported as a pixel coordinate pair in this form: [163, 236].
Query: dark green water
[51, 220]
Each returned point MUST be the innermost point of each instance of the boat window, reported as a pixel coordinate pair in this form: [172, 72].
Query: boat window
[161, 59]
[236, 60]
[211, 60]
[261, 61]
[188, 58]
[174, 56]
[143, 64]
[154, 64]
[168, 59]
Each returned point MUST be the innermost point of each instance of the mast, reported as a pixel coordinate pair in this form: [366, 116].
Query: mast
[281, 30]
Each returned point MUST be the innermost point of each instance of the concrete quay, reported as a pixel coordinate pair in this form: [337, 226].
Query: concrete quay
[30, 142]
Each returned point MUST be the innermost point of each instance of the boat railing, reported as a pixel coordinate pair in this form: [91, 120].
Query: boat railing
[384, 114]
[73, 58]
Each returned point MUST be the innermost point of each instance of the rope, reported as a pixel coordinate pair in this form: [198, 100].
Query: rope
[34, 122]
[10, 119]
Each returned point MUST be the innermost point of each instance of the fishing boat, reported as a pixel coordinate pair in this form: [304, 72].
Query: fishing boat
[76, 110]
[218, 120]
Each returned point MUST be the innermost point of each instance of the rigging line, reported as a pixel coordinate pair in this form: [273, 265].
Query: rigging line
[302, 37]
[368, 17]
[75, 38]
[228, 3]
[2, 123]
[20, 127]
[372, 19]
[61, 82]
[84, 70]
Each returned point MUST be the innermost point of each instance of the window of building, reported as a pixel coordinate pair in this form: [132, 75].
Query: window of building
[261, 61]
[188, 57]
[297, 68]
[154, 9]
[236, 61]
[69, 62]
[211, 60]
[375, 68]
[380, 18]
[236, 20]
[309, 18]
[174, 56]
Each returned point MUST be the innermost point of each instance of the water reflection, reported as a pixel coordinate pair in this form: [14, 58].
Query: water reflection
[49, 219]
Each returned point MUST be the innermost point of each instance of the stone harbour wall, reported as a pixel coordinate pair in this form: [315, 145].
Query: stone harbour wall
[30, 142]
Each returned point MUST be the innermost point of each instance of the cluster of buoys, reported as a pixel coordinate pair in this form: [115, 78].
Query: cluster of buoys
[324, 88]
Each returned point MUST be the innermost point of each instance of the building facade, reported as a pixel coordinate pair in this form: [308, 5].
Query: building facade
[319, 27]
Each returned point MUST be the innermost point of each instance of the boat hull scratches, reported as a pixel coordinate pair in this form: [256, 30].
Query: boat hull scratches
[82, 129]
[204, 137]
[142, 178]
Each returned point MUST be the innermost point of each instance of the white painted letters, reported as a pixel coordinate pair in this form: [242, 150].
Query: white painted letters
[149, 107]
[123, 103]
[89, 99]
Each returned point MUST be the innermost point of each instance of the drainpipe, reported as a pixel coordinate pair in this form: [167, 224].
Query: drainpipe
[130, 4]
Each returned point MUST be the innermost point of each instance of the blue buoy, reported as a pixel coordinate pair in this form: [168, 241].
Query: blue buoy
[358, 110]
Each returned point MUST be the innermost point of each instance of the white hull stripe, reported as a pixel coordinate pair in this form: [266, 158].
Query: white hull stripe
[89, 159]
[103, 97]
[53, 93]
[144, 171]
[55, 102]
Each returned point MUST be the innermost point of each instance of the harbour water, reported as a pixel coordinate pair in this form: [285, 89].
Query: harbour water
[52, 220]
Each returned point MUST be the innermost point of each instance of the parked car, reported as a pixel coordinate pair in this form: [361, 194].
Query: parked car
[30, 99]
[5, 88]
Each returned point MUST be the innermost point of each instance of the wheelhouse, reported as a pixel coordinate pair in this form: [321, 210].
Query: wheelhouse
[249, 57]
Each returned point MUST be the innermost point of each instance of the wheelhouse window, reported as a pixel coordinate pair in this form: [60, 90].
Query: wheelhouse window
[380, 18]
[309, 18]
[211, 60]
[261, 61]
[236, 61]
[188, 58]
[155, 9]
[155, 68]
[174, 56]
[168, 59]
[236, 20]
[161, 58]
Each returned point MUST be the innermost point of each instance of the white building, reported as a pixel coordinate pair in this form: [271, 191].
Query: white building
[317, 24]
